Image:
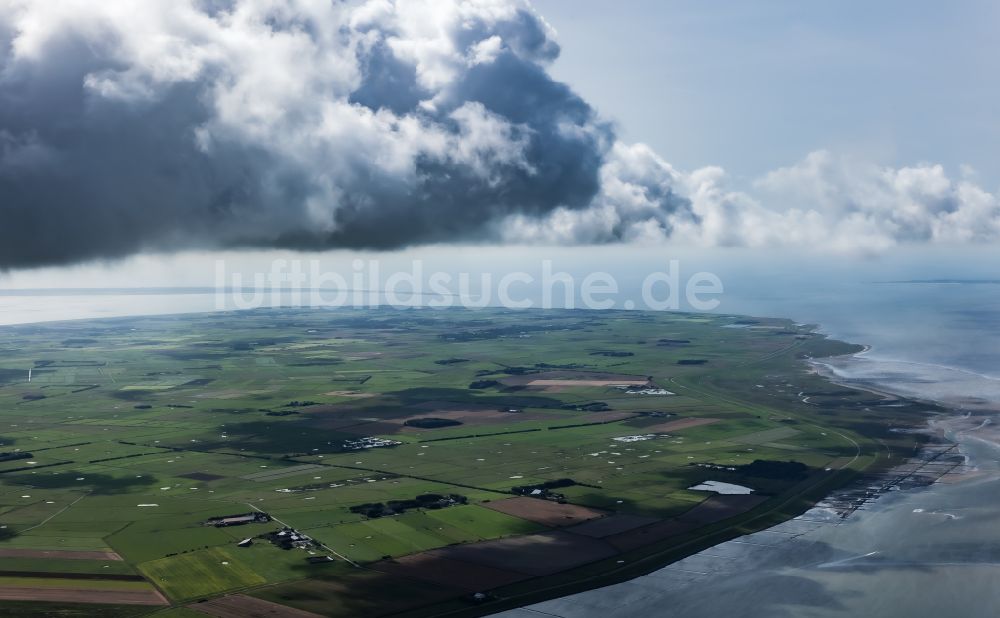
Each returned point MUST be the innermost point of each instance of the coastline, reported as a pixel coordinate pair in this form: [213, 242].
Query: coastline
[873, 501]
[784, 512]
[956, 420]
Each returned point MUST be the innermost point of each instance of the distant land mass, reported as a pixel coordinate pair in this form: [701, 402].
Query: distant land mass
[948, 281]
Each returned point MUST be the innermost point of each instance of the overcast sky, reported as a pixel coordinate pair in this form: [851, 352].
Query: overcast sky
[850, 129]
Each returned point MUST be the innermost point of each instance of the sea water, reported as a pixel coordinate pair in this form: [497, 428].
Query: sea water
[930, 551]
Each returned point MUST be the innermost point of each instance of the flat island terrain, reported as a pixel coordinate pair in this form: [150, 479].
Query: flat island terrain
[405, 462]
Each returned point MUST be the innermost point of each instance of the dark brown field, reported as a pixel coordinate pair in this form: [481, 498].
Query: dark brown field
[77, 595]
[60, 554]
[534, 554]
[613, 524]
[638, 537]
[544, 512]
[242, 606]
[439, 569]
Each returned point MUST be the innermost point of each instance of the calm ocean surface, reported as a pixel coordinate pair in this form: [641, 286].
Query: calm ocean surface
[925, 552]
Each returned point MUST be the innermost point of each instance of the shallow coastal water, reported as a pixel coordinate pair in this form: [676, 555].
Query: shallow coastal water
[930, 551]
[924, 552]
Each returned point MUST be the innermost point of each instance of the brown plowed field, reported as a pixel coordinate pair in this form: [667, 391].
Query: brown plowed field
[544, 512]
[242, 606]
[441, 570]
[534, 554]
[60, 554]
[78, 595]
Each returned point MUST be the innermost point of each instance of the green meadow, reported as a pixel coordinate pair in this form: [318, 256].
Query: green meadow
[132, 433]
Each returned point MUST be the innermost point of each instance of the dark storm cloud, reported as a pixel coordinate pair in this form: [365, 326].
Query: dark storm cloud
[250, 124]
[159, 125]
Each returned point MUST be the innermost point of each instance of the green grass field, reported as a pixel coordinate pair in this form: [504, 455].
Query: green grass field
[133, 432]
[200, 573]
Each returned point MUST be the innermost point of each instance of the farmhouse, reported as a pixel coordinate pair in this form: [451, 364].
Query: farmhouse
[368, 442]
[289, 538]
[319, 559]
[241, 519]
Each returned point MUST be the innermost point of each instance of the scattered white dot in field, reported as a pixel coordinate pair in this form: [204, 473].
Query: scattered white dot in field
[79, 478]
[225, 563]
[611, 462]
[357, 462]
[49, 502]
[690, 456]
[25, 496]
[424, 446]
[918, 510]
[316, 478]
[480, 459]
[517, 476]
[164, 488]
